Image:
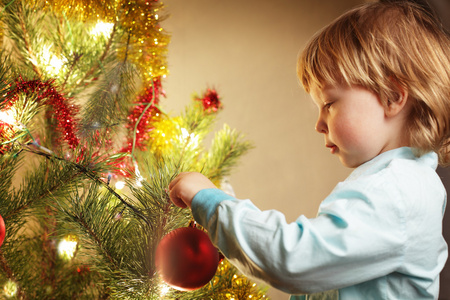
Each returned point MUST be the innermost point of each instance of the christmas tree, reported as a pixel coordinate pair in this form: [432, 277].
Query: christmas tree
[87, 153]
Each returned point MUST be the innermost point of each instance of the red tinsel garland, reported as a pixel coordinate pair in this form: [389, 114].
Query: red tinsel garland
[210, 100]
[151, 95]
[5, 135]
[46, 93]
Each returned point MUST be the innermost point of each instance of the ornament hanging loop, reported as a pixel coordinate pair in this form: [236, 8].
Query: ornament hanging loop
[192, 223]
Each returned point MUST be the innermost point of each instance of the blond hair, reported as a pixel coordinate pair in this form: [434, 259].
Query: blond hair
[387, 48]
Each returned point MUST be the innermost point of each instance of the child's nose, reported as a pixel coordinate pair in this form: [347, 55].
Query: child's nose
[321, 125]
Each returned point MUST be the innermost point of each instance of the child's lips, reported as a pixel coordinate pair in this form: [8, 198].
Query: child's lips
[332, 147]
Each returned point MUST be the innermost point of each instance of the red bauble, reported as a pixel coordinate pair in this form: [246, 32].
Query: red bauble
[2, 230]
[186, 259]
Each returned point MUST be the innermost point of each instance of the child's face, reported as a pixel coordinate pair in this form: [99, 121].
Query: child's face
[353, 122]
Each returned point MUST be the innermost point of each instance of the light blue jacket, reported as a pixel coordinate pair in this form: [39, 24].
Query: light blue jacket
[378, 235]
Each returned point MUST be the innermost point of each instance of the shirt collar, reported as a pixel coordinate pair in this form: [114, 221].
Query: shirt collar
[382, 160]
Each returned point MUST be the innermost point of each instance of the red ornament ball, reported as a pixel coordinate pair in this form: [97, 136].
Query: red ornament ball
[186, 259]
[2, 230]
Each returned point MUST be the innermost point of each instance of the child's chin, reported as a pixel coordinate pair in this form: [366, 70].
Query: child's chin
[349, 163]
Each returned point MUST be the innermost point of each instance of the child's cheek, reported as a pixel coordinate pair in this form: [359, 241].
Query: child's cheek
[346, 133]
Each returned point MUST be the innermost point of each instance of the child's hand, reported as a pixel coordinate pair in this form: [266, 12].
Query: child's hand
[184, 187]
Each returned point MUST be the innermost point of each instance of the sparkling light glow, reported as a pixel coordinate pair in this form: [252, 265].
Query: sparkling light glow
[120, 185]
[10, 289]
[50, 62]
[55, 63]
[164, 289]
[139, 177]
[67, 247]
[192, 138]
[102, 28]
[6, 116]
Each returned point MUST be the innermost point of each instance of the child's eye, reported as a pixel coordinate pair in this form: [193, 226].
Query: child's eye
[327, 105]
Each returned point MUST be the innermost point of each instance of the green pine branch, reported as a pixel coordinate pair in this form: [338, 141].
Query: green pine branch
[227, 147]
[107, 106]
[24, 31]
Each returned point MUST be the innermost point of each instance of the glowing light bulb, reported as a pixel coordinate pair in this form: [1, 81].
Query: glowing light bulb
[119, 185]
[164, 289]
[6, 116]
[192, 138]
[56, 63]
[139, 177]
[10, 289]
[102, 28]
[67, 247]
[52, 63]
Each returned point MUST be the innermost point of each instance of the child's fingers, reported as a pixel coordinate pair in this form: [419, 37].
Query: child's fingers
[175, 180]
[176, 200]
[173, 193]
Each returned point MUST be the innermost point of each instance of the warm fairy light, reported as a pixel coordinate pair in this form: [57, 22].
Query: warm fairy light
[120, 185]
[6, 116]
[156, 17]
[184, 133]
[10, 289]
[139, 177]
[190, 138]
[53, 64]
[163, 290]
[102, 28]
[67, 247]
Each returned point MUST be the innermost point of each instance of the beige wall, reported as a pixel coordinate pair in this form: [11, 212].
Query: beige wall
[247, 50]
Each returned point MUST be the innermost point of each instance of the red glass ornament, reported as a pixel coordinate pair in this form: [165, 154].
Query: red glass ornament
[2, 230]
[186, 259]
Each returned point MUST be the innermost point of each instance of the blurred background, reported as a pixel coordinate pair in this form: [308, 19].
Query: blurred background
[247, 50]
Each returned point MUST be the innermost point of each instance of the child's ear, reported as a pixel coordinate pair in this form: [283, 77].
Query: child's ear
[395, 106]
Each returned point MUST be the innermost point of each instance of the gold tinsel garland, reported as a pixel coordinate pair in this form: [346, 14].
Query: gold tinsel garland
[145, 43]
[164, 135]
[239, 286]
